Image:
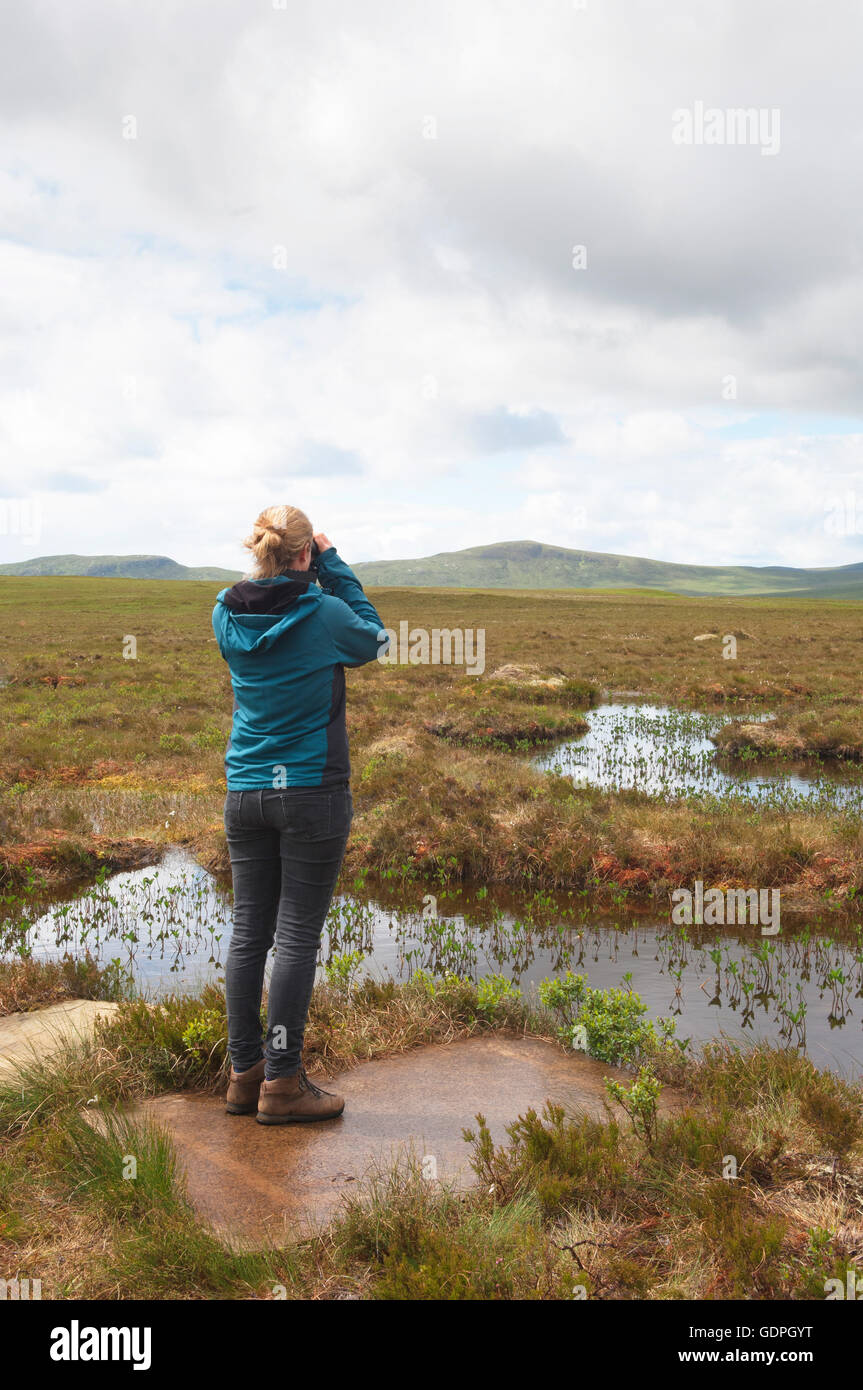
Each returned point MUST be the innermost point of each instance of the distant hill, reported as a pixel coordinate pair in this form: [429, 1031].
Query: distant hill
[531, 565]
[510, 565]
[119, 567]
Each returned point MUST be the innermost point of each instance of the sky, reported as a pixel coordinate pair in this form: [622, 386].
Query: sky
[441, 274]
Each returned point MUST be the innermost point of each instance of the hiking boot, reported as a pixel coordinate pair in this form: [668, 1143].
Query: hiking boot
[243, 1088]
[295, 1099]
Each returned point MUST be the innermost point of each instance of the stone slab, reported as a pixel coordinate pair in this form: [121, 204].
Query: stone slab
[254, 1182]
[25, 1037]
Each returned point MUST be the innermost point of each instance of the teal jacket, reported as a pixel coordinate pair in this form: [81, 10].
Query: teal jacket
[286, 643]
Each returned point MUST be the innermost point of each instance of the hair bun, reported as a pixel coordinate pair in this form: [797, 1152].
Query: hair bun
[278, 536]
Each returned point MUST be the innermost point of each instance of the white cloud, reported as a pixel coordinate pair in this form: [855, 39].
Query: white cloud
[153, 353]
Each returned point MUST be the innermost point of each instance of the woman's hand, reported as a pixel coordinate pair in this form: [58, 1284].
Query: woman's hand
[322, 542]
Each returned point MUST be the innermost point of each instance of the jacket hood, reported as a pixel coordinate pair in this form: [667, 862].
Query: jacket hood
[268, 595]
[254, 614]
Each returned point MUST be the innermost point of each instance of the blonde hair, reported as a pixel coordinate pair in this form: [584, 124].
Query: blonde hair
[278, 536]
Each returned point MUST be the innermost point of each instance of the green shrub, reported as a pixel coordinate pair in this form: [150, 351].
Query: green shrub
[748, 1247]
[212, 736]
[340, 970]
[639, 1101]
[565, 1162]
[204, 1034]
[563, 994]
[436, 1268]
[173, 743]
[608, 1024]
[492, 991]
[835, 1115]
[156, 1034]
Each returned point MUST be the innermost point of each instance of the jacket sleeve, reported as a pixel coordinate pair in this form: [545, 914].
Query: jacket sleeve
[353, 621]
[355, 641]
[218, 622]
[338, 579]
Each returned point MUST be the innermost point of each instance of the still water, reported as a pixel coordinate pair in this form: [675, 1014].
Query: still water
[667, 752]
[169, 927]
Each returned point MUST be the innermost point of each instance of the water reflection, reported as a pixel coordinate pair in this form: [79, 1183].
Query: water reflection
[668, 752]
[169, 927]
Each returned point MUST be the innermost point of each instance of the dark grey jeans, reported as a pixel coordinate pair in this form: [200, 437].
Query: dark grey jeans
[286, 850]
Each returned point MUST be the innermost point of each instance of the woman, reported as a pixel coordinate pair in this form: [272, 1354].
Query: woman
[288, 809]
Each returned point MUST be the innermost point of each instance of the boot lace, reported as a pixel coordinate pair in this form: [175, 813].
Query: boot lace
[307, 1085]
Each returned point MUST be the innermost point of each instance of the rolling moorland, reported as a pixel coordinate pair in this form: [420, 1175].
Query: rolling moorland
[443, 780]
[116, 567]
[105, 761]
[509, 565]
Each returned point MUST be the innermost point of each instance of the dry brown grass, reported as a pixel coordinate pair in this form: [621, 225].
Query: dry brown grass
[829, 731]
[31, 984]
[576, 1201]
[94, 746]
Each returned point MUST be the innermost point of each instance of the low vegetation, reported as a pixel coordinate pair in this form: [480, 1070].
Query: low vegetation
[106, 758]
[749, 1186]
[832, 731]
[28, 984]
